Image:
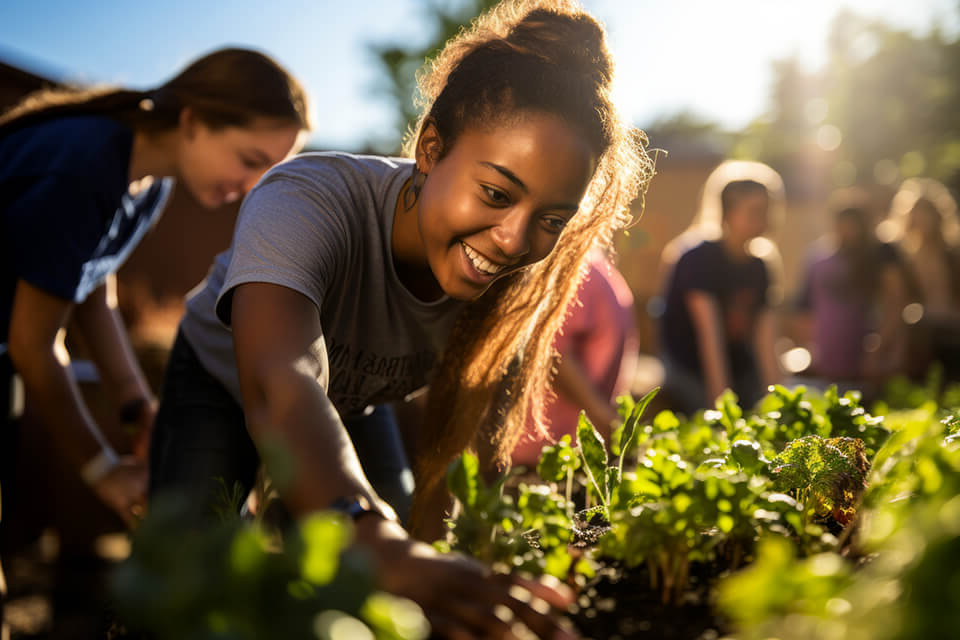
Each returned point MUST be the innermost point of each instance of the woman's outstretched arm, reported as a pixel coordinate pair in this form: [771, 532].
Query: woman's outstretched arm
[277, 339]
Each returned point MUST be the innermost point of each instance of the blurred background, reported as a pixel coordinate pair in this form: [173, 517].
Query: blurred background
[829, 93]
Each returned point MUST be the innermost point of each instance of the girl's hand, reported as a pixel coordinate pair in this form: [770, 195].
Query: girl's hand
[123, 488]
[460, 597]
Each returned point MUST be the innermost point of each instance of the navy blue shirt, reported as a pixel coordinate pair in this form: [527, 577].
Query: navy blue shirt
[740, 289]
[67, 220]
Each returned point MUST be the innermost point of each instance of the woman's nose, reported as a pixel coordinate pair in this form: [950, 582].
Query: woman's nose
[512, 234]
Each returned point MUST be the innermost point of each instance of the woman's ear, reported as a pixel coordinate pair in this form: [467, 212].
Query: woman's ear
[429, 146]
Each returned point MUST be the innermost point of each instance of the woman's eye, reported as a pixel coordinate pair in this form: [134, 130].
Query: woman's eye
[554, 223]
[495, 196]
[250, 163]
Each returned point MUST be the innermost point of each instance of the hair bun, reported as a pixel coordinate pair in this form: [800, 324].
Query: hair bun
[573, 41]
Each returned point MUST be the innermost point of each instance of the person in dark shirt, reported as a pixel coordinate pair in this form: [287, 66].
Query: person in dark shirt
[717, 329]
[83, 176]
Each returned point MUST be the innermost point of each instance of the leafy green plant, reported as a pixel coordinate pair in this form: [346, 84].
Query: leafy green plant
[486, 523]
[897, 581]
[558, 463]
[604, 480]
[184, 581]
[827, 476]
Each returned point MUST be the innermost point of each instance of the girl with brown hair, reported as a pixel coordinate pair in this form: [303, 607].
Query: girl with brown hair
[353, 281]
[84, 174]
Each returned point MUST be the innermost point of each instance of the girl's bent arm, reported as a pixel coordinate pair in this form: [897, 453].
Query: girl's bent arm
[105, 336]
[35, 323]
[278, 344]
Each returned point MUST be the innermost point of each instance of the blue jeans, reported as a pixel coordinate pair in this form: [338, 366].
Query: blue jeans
[200, 439]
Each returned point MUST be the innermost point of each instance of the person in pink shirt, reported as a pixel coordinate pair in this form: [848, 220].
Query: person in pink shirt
[597, 350]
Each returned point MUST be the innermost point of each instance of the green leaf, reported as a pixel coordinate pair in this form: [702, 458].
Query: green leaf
[557, 563]
[666, 420]
[557, 460]
[463, 479]
[324, 535]
[630, 426]
[748, 455]
[594, 455]
[725, 522]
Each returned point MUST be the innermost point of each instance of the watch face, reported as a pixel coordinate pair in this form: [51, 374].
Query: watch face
[353, 506]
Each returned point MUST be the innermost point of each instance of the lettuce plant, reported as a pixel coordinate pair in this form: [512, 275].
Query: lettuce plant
[827, 476]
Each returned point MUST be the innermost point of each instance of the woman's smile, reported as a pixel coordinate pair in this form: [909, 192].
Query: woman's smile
[480, 263]
[495, 202]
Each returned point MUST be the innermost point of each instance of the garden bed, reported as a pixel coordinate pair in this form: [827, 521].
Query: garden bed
[807, 517]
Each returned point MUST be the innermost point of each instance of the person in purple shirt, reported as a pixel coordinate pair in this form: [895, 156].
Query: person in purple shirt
[851, 296]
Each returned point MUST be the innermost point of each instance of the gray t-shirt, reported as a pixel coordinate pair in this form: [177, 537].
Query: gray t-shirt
[321, 224]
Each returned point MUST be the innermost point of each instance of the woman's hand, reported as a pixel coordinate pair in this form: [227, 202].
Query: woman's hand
[460, 597]
[123, 488]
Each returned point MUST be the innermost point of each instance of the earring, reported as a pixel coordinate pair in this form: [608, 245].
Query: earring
[417, 179]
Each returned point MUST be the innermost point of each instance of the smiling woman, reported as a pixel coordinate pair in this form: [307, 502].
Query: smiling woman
[83, 176]
[354, 281]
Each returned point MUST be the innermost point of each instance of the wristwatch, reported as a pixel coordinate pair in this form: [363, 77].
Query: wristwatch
[357, 506]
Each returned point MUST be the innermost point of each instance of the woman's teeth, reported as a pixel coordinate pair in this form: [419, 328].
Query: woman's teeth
[480, 263]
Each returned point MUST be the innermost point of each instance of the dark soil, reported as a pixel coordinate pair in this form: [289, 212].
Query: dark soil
[618, 603]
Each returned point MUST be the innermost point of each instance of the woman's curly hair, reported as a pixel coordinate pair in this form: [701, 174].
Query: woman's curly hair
[541, 56]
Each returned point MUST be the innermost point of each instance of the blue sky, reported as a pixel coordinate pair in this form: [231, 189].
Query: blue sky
[706, 56]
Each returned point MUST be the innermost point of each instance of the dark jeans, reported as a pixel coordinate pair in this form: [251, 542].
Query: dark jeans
[686, 390]
[200, 438]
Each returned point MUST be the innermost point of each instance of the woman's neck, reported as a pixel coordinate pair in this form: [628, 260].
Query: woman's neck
[409, 260]
[153, 155]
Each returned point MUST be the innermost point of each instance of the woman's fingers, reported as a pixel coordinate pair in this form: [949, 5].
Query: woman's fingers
[528, 603]
[547, 587]
[473, 617]
[449, 628]
[463, 599]
[123, 489]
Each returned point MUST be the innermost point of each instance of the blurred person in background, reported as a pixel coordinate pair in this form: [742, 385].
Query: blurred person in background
[850, 300]
[718, 329]
[353, 281]
[922, 221]
[596, 359]
[84, 174]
